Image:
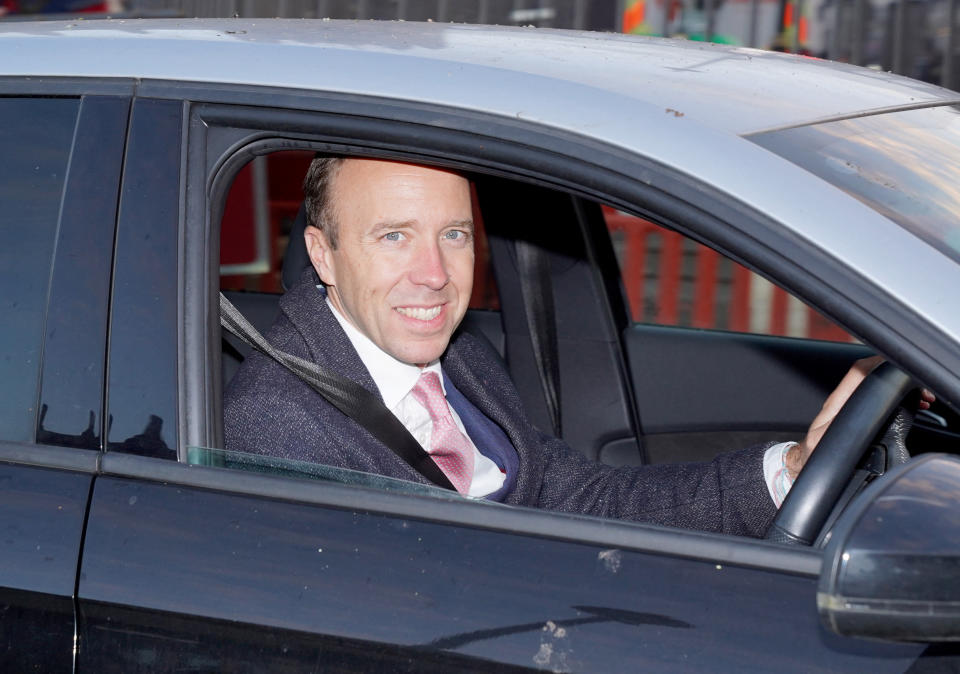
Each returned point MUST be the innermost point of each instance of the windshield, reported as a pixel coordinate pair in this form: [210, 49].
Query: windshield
[905, 165]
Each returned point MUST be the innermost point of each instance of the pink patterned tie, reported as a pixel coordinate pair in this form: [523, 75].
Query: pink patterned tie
[449, 448]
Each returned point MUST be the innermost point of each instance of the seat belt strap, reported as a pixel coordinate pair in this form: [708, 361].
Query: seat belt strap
[346, 395]
[533, 267]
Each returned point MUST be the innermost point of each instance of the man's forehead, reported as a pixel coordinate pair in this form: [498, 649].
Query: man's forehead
[363, 169]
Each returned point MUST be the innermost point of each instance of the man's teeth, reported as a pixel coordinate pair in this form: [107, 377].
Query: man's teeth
[420, 313]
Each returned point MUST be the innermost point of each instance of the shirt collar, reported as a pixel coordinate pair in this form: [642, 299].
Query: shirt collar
[393, 377]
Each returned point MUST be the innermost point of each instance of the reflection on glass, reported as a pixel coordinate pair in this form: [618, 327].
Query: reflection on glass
[149, 442]
[88, 438]
[905, 165]
[272, 465]
[36, 136]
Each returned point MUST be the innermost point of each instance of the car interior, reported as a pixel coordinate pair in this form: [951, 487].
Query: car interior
[550, 297]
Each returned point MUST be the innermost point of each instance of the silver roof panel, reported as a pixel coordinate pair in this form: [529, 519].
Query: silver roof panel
[730, 89]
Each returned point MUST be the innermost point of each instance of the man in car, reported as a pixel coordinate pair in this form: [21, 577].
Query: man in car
[392, 244]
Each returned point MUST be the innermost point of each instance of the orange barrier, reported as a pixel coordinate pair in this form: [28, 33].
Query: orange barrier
[648, 265]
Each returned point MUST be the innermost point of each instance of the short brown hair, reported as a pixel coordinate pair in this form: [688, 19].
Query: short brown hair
[316, 196]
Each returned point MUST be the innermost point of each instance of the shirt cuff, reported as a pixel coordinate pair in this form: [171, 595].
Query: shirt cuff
[775, 471]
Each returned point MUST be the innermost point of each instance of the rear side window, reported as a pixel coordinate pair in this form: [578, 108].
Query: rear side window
[673, 280]
[35, 137]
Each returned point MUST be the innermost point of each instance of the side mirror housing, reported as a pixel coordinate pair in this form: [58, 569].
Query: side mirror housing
[892, 562]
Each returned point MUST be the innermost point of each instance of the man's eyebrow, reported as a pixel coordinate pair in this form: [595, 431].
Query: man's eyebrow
[465, 224]
[392, 224]
[406, 224]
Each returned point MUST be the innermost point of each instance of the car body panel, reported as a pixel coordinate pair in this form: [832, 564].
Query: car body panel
[239, 583]
[43, 513]
[736, 90]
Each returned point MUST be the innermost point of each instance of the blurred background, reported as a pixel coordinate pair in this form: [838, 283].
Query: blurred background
[910, 37]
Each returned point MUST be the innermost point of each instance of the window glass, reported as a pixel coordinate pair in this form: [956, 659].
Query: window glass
[905, 165]
[35, 137]
[673, 280]
[283, 467]
[260, 211]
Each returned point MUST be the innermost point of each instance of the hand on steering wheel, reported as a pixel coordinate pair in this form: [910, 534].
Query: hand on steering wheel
[846, 436]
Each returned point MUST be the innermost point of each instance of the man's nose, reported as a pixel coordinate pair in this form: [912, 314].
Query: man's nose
[429, 267]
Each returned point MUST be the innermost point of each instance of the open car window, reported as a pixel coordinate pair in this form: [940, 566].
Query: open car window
[672, 279]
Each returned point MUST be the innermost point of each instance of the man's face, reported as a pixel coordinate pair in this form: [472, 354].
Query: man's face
[403, 271]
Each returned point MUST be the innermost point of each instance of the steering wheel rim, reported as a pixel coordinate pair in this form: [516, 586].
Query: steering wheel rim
[829, 469]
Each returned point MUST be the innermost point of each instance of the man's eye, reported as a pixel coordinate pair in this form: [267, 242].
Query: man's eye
[393, 236]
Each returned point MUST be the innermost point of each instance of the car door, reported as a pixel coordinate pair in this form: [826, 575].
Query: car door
[216, 569]
[197, 559]
[63, 154]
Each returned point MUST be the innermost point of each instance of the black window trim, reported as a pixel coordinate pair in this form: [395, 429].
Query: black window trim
[66, 86]
[131, 289]
[49, 456]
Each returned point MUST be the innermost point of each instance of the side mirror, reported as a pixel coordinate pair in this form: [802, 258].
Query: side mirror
[892, 562]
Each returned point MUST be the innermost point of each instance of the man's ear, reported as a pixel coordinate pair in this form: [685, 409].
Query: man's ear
[320, 253]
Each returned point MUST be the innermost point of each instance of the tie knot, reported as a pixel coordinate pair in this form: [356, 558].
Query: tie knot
[428, 393]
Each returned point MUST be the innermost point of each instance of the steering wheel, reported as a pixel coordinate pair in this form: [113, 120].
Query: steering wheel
[828, 470]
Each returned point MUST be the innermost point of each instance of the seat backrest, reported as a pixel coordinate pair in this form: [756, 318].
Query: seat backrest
[261, 309]
[295, 259]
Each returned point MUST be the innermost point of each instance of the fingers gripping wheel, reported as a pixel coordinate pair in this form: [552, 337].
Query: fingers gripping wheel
[865, 415]
[894, 439]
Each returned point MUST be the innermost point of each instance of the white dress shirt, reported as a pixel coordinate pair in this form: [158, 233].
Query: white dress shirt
[396, 379]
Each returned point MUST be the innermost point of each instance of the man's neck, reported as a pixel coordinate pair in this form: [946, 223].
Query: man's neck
[393, 377]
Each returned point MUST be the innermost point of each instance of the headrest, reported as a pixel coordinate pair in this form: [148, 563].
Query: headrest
[295, 260]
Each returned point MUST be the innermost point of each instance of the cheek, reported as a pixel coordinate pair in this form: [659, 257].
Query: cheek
[462, 273]
[380, 281]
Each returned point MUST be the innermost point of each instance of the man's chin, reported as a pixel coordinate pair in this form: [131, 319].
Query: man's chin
[420, 354]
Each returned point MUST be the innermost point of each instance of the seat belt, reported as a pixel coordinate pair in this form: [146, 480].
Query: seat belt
[536, 289]
[346, 395]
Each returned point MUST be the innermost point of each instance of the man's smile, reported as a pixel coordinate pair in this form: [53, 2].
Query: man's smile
[420, 313]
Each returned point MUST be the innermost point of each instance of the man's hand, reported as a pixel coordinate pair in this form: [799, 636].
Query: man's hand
[798, 455]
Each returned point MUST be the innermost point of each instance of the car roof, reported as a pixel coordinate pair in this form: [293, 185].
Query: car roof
[496, 68]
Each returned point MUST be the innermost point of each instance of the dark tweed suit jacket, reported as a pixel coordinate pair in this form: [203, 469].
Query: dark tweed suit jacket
[268, 410]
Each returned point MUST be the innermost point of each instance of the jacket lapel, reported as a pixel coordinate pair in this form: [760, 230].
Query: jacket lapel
[468, 366]
[328, 345]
